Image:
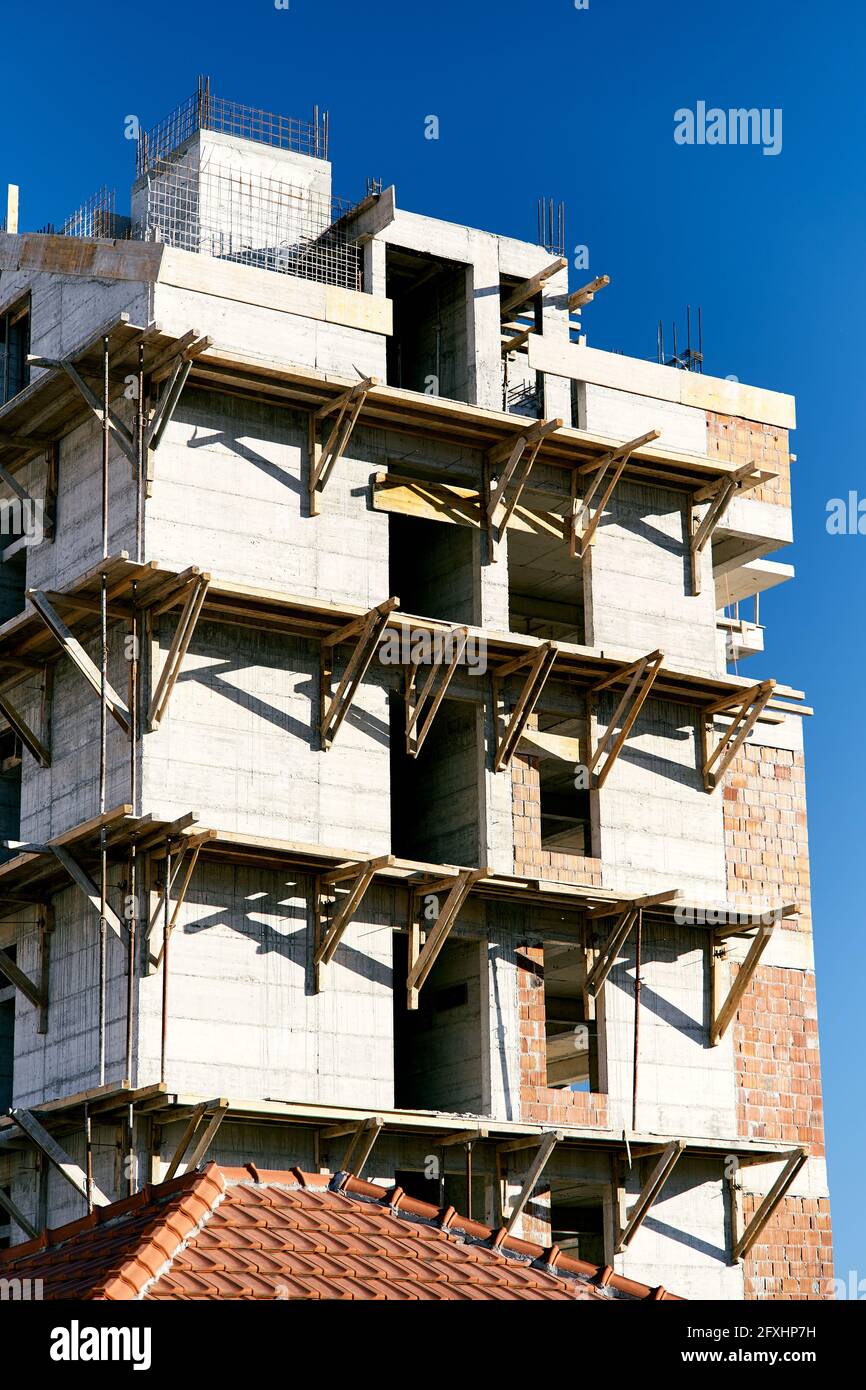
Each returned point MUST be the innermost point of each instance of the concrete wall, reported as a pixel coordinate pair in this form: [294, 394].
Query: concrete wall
[243, 1020]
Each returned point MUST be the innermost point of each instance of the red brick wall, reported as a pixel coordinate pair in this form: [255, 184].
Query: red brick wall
[766, 839]
[745, 441]
[775, 1032]
[540, 1103]
[794, 1257]
[529, 858]
[777, 1061]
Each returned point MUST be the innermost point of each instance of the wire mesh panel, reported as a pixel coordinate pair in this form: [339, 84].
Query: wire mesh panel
[97, 217]
[204, 111]
[251, 219]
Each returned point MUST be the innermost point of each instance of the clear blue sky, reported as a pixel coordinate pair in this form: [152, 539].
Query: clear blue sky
[544, 99]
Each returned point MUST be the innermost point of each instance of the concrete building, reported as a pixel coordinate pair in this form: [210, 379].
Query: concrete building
[376, 790]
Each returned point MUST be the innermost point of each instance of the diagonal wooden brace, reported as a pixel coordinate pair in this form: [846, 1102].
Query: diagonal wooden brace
[423, 958]
[418, 727]
[520, 455]
[744, 1243]
[88, 888]
[31, 741]
[761, 940]
[650, 1191]
[71, 1171]
[368, 630]
[357, 878]
[72, 648]
[626, 914]
[539, 1163]
[22, 982]
[178, 649]
[606, 472]
[719, 495]
[17, 1215]
[347, 408]
[540, 666]
[118, 429]
[745, 708]
[641, 677]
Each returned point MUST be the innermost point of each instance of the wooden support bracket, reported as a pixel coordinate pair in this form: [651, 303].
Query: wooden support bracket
[347, 408]
[88, 888]
[118, 429]
[744, 1243]
[723, 1012]
[539, 1163]
[518, 456]
[74, 1175]
[423, 958]
[367, 630]
[190, 347]
[73, 649]
[606, 473]
[744, 709]
[48, 503]
[34, 745]
[626, 914]
[641, 676]
[540, 665]
[178, 649]
[719, 495]
[650, 1191]
[22, 982]
[356, 878]
[420, 716]
[360, 1146]
[17, 1215]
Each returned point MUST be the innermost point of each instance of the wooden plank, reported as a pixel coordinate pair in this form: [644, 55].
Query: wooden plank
[528, 289]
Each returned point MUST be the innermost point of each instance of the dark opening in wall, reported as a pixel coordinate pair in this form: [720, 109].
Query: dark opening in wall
[577, 1222]
[7, 1037]
[428, 350]
[437, 1047]
[14, 347]
[435, 797]
[10, 793]
[521, 385]
[566, 826]
[443, 1183]
[545, 588]
[432, 568]
[571, 1038]
[5, 1226]
[13, 569]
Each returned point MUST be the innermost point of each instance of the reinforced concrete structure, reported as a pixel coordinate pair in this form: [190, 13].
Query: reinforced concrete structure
[377, 793]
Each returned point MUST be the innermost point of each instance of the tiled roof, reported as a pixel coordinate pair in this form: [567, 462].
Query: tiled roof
[245, 1233]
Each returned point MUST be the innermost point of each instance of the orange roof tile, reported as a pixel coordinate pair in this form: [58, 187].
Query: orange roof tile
[225, 1233]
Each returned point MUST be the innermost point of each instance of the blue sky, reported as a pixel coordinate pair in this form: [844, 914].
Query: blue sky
[546, 99]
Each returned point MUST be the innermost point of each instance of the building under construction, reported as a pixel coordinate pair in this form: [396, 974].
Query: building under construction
[386, 789]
